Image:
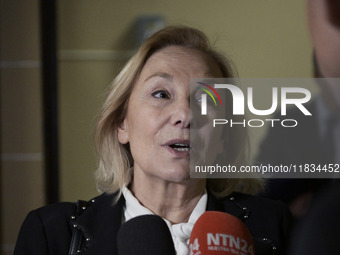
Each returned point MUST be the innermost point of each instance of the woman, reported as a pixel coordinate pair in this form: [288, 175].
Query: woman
[142, 140]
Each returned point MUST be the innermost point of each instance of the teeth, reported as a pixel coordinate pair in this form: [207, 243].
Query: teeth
[182, 149]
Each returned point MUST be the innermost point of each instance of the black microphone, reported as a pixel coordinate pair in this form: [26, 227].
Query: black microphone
[146, 234]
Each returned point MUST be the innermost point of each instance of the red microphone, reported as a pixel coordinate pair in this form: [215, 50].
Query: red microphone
[217, 233]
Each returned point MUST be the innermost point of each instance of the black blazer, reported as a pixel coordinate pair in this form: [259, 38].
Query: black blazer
[48, 230]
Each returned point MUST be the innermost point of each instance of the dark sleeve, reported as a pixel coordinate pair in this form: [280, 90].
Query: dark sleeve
[32, 237]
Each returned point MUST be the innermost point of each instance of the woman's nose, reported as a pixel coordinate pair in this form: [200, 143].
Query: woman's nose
[181, 116]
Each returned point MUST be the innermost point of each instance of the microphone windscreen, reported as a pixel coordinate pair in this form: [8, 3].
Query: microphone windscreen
[147, 234]
[220, 233]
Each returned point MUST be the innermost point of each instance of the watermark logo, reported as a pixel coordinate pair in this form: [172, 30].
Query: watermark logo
[204, 97]
[230, 116]
[239, 99]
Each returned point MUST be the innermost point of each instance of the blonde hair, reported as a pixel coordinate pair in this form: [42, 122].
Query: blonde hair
[114, 158]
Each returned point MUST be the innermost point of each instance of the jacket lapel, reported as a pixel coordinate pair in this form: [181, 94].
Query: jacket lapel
[100, 223]
[102, 219]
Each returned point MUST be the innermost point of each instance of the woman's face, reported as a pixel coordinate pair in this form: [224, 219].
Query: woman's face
[158, 117]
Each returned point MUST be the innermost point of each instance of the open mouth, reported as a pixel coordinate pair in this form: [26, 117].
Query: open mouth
[180, 147]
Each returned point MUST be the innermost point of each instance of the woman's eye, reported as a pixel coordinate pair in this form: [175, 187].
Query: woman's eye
[209, 100]
[161, 94]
